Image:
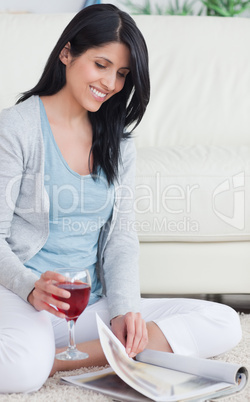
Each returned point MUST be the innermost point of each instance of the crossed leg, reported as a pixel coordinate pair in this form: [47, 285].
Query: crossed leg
[183, 326]
[28, 338]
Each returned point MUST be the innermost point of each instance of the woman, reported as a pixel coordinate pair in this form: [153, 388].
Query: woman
[67, 170]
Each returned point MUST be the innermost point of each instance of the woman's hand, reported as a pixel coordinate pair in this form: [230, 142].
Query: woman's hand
[131, 330]
[41, 296]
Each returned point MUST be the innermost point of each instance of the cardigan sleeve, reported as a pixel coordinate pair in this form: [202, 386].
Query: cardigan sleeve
[120, 257]
[13, 274]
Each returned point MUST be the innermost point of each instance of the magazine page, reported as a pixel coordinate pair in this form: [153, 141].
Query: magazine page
[108, 383]
[159, 376]
[214, 369]
[157, 383]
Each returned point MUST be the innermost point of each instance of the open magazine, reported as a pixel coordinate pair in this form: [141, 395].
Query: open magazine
[159, 376]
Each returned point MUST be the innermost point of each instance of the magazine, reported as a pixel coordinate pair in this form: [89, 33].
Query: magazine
[159, 376]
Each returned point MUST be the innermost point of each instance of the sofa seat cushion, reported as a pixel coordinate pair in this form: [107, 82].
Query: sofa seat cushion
[193, 193]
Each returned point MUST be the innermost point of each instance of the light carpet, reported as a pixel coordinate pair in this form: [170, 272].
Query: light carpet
[54, 391]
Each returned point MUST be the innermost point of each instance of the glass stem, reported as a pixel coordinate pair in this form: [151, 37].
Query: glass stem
[71, 326]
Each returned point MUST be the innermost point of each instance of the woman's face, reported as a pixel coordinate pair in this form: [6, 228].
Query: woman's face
[96, 75]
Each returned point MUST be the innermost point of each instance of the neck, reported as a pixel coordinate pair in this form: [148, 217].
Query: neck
[62, 110]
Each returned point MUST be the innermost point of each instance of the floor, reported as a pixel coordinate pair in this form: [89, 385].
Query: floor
[240, 303]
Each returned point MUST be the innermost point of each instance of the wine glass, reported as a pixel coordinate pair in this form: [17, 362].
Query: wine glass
[78, 283]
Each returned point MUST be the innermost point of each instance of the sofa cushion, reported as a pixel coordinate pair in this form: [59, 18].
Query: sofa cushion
[193, 193]
[199, 81]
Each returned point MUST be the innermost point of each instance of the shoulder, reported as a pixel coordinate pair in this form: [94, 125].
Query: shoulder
[23, 111]
[20, 129]
[26, 113]
[20, 120]
[127, 160]
[127, 149]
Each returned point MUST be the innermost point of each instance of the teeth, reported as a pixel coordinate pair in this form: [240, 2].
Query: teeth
[97, 92]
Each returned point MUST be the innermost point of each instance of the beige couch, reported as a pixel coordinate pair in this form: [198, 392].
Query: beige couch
[192, 187]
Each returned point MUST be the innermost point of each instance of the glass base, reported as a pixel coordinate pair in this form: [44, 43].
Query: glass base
[72, 354]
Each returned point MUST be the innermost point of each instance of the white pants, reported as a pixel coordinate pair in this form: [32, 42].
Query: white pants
[28, 338]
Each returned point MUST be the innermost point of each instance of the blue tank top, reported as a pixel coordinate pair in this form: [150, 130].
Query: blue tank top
[79, 207]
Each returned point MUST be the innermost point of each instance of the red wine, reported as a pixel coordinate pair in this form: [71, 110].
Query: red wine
[78, 300]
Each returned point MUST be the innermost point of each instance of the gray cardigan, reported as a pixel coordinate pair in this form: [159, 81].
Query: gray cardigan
[24, 212]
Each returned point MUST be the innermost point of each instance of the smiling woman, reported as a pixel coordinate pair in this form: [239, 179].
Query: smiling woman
[115, 30]
[67, 170]
[95, 76]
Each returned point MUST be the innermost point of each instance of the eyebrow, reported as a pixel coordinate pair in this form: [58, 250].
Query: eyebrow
[109, 61]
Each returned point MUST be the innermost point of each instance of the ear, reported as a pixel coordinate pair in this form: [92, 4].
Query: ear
[65, 55]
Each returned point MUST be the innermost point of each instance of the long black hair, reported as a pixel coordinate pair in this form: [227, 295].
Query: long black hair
[92, 27]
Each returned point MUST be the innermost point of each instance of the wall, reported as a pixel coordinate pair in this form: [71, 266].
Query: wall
[41, 6]
[64, 6]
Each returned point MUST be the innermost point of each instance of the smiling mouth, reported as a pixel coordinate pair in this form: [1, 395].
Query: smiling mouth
[98, 93]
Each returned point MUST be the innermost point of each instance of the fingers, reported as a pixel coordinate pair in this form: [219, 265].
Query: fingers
[137, 335]
[47, 283]
[47, 296]
[46, 301]
[131, 330]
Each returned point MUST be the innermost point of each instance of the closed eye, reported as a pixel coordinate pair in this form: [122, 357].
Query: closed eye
[123, 74]
[120, 73]
[99, 65]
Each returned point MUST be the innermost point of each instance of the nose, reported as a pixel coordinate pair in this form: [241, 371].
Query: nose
[109, 81]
